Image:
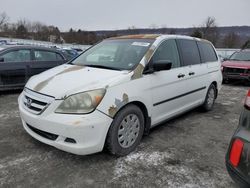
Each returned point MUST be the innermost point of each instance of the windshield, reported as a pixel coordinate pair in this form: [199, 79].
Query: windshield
[241, 56]
[122, 54]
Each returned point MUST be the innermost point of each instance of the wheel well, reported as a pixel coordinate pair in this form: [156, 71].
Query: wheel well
[144, 110]
[215, 84]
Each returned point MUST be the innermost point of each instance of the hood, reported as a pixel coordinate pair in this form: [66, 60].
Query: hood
[237, 64]
[68, 79]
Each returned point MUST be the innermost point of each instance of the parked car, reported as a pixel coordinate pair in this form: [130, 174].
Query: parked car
[117, 90]
[237, 67]
[238, 155]
[19, 63]
[225, 53]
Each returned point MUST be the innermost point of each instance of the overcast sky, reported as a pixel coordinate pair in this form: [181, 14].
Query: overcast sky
[120, 14]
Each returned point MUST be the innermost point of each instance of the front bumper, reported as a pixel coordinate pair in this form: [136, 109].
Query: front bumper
[242, 77]
[87, 131]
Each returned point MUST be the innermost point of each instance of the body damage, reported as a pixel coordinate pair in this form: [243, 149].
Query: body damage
[43, 84]
[66, 80]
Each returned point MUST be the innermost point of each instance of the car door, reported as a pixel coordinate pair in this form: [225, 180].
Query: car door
[168, 86]
[197, 72]
[43, 60]
[13, 67]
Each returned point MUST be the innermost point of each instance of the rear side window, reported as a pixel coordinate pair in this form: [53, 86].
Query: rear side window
[207, 52]
[42, 55]
[189, 52]
[17, 56]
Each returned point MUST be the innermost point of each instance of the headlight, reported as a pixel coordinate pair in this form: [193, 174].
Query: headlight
[81, 103]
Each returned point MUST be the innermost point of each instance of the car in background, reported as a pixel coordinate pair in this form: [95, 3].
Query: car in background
[237, 67]
[238, 154]
[19, 63]
[225, 53]
[3, 42]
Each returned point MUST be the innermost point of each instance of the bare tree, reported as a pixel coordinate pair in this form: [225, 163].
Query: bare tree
[231, 40]
[209, 30]
[3, 19]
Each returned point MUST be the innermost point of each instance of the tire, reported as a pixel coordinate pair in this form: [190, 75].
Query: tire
[126, 131]
[210, 98]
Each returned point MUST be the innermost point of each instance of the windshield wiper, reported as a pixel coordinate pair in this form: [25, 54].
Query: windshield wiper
[103, 67]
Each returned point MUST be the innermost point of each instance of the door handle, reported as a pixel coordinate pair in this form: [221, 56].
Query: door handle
[181, 75]
[191, 73]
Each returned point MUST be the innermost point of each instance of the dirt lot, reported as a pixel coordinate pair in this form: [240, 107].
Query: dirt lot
[185, 152]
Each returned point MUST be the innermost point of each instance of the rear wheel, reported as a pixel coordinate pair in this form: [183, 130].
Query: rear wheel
[126, 131]
[210, 98]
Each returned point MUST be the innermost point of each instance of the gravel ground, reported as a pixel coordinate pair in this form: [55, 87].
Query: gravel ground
[185, 152]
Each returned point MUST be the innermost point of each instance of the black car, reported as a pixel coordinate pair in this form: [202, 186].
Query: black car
[238, 155]
[19, 63]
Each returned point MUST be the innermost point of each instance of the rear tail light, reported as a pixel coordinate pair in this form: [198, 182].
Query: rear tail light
[247, 100]
[236, 151]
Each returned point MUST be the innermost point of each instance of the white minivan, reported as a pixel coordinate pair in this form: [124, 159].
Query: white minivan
[117, 90]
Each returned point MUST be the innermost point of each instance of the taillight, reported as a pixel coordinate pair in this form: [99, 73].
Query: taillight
[236, 151]
[247, 100]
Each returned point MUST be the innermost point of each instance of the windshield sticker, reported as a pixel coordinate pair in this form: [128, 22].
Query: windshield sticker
[145, 44]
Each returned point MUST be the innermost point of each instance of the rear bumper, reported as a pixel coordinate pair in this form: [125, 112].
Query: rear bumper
[237, 177]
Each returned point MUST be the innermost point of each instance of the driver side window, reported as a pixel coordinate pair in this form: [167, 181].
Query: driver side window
[168, 51]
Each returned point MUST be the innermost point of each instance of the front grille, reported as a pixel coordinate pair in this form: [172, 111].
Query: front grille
[44, 134]
[234, 70]
[34, 102]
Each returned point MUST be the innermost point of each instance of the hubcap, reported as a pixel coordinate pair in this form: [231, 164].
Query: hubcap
[128, 130]
[210, 98]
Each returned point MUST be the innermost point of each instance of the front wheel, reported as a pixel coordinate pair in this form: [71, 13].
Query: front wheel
[210, 99]
[125, 131]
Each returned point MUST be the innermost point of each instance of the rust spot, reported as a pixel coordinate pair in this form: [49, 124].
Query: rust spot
[149, 53]
[76, 122]
[71, 69]
[141, 36]
[42, 84]
[125, 98]
[118, 104]
[112, 110]
[137, 72]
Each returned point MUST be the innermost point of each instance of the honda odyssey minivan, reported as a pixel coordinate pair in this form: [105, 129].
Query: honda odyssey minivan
[117, 90]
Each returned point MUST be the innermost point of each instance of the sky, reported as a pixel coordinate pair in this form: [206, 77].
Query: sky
[121, 14]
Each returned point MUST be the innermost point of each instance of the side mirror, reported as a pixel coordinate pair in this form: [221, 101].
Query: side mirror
[162, 65]
[157, 66]
[1, 59]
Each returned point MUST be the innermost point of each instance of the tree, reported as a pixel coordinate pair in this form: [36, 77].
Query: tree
[172, 32]
[21, 32]
[196, 33]
[246, 44]
[3, 19]
[209, 30]
[231, 40]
